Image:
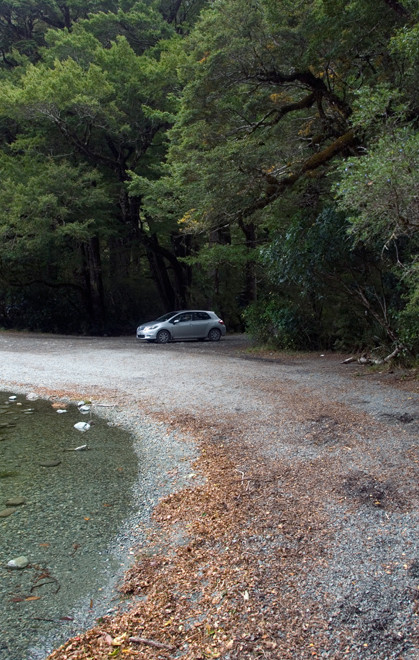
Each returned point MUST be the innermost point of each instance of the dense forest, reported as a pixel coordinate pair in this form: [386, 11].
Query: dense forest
[254, 157]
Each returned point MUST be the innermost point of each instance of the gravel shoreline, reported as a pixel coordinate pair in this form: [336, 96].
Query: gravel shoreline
[309, 491]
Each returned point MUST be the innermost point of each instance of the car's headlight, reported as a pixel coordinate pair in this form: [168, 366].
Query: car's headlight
[151, 327]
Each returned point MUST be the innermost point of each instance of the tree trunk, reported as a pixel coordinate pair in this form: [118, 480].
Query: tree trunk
[173, 295]
[172, 290]
[250, 282]
[94, 292]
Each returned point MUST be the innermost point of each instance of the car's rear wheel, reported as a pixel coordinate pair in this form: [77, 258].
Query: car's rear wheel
[214, 334]
[163, 337]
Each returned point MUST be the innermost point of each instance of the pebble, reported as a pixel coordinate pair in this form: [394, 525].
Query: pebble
[19, 562]
[7, 512]
[16, 501]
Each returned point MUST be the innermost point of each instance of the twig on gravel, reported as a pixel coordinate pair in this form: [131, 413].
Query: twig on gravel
[151, 642]
[242, 473]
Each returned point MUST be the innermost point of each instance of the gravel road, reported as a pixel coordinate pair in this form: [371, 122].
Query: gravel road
[343, 448]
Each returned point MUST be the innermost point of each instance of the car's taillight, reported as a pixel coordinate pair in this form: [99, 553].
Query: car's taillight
[220, 321]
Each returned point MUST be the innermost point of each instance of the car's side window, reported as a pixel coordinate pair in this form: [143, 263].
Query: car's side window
[183, 317]
[200, 316]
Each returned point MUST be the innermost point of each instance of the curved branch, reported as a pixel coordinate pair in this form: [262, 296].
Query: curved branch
[305, 102]
[276, 187]
[308, 79]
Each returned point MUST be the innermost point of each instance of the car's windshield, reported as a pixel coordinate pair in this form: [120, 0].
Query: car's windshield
[165, 317]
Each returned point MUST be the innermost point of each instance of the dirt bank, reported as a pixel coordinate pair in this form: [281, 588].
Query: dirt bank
[301, 540]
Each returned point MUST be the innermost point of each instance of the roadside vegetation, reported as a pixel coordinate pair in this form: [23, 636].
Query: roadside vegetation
[256, 159]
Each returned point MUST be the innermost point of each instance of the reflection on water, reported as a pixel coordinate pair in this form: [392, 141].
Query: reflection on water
[67, 507]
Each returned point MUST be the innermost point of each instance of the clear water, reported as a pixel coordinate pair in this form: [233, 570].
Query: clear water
[65, 528]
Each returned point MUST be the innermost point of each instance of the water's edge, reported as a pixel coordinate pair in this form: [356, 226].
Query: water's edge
[164, 463]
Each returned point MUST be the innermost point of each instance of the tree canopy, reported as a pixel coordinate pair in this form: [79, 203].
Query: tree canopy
[257, 158]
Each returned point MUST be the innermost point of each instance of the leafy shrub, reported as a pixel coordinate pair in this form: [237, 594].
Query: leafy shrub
[270, 322]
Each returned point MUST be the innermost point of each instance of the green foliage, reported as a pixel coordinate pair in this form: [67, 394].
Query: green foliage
[216, 255]
[408, 318]
[49, 200]
[381, 189]
[271, 322]
[380, 194]
[345, 294]
[23, 24]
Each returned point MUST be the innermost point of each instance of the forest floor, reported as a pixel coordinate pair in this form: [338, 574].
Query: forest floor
[298, 535]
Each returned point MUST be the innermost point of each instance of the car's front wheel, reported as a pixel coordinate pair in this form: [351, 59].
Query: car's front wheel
[163, 337]
[214, 334]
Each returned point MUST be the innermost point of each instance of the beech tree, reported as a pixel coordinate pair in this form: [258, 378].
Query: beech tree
[105, 104]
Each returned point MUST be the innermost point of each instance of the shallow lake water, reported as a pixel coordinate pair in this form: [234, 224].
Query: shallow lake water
[73, 506]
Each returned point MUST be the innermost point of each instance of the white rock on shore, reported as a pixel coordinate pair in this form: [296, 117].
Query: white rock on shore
[19, 562]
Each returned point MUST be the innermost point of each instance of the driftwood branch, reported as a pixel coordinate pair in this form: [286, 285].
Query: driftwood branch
[376, 361]
[151, 642]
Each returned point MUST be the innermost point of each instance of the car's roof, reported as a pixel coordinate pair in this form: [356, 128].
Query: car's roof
[182, 311]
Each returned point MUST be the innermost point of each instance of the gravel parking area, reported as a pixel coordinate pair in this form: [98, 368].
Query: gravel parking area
[296, 536]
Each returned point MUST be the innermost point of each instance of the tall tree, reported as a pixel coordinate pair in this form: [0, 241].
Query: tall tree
[106, 106]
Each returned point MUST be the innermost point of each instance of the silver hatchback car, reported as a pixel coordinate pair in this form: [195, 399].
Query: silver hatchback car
[183, 325]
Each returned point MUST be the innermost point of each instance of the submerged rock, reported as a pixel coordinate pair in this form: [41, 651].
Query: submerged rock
[82, 426]
[16, 501]
[51, 463]
[7, 512]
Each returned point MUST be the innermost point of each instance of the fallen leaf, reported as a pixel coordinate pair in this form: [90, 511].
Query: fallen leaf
[118, 641]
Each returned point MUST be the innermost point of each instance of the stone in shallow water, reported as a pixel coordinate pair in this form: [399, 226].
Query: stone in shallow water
[7, 512]
[19, 562]
[16, 501]
[82, 426]
[51, 463]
